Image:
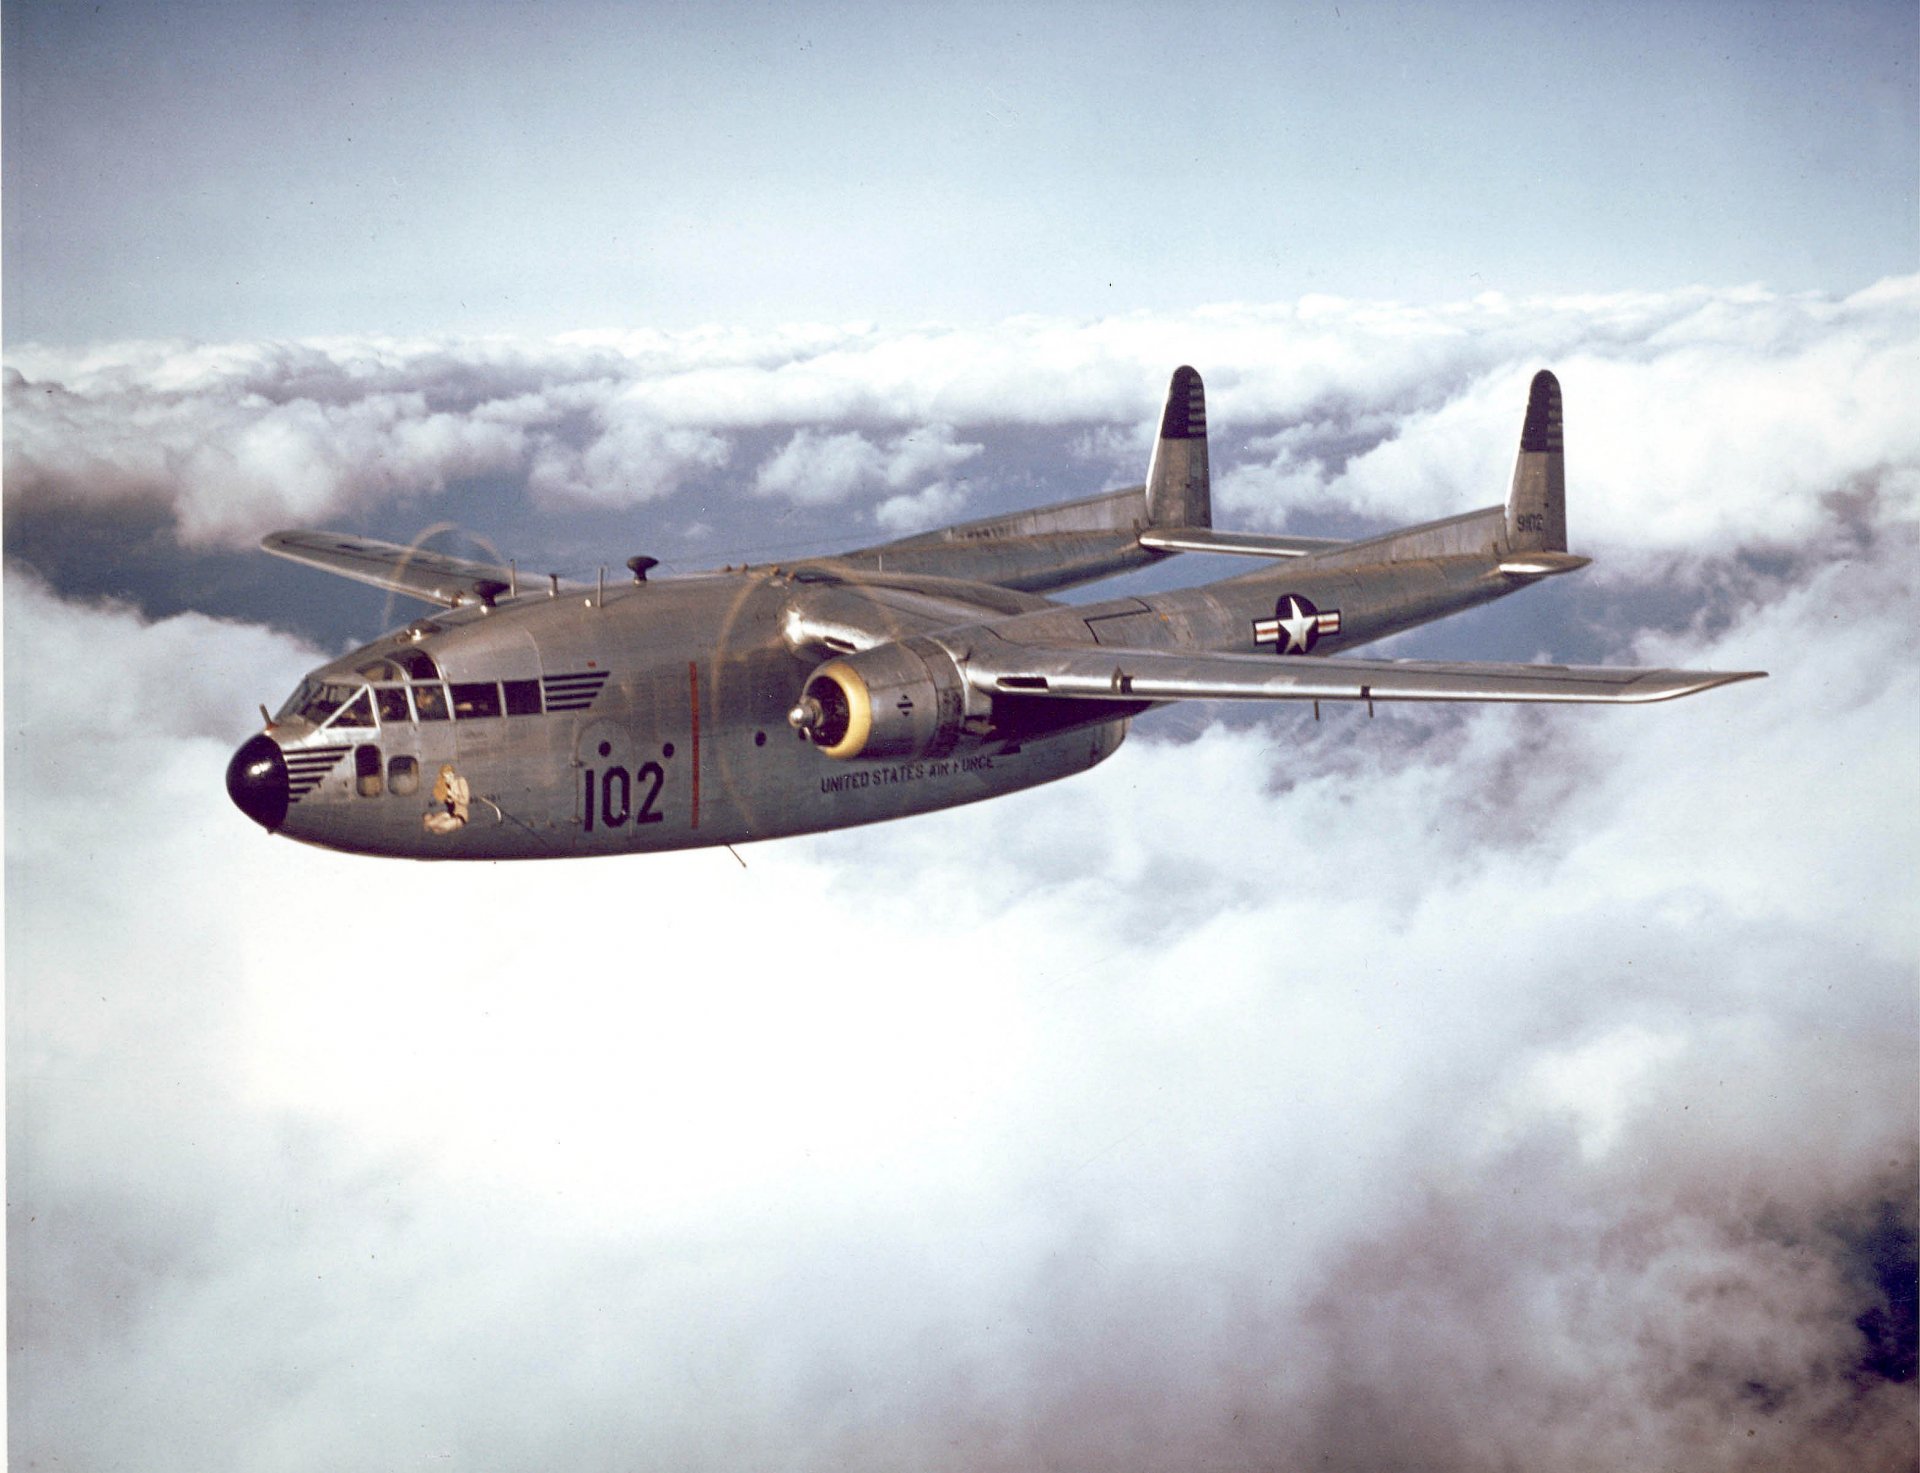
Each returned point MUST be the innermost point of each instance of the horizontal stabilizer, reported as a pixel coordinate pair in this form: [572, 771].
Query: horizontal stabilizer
[1244, 544]
[424, 574]
[1073, 672]
[1542, 564]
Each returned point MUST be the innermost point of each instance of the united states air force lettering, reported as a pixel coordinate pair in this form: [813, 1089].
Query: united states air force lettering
[902, 772]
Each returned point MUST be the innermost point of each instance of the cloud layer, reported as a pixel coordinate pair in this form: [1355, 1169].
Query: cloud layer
[1694, 417]
[1457, 1089]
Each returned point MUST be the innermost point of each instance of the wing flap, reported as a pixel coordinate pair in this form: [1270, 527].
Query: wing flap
[1102, 674]
[424, 574]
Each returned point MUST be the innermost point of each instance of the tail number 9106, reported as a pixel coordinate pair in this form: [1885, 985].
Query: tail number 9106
[613, 796]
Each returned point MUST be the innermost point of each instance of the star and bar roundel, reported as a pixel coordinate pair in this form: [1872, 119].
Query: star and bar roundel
[1296, 625]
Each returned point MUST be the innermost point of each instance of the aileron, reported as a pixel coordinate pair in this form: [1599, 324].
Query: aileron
[1104, 674]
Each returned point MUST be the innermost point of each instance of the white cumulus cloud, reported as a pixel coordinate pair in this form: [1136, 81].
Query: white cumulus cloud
[1461, 1089]
[1694, 417]
[1468, 1088]
[814, 468]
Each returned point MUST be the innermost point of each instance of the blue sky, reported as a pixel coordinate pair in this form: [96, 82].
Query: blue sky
[241, 171]
[1457, 1089]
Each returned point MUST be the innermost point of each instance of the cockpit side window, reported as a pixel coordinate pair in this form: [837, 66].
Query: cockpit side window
[391, 700]
[430, 702]
[417, 663]
[475, 698]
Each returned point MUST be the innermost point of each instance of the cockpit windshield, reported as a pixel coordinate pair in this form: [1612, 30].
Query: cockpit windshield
[320, 701]
[316, 700]
[356, 712]
[407, 688]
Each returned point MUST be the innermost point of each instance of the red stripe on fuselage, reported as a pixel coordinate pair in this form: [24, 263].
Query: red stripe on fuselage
[693, 699]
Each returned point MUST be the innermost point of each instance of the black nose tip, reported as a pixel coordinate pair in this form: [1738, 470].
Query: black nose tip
[257, 782]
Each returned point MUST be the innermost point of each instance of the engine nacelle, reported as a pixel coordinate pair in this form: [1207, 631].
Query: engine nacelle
[905, 699]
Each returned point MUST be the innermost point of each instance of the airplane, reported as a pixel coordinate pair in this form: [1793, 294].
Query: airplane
[757, 702]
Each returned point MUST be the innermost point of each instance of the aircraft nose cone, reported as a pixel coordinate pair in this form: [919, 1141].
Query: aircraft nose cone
[257, 782]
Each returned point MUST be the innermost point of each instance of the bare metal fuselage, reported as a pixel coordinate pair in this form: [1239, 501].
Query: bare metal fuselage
[663, 720]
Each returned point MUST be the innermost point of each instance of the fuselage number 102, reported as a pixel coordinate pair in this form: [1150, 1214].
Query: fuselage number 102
[610, 794]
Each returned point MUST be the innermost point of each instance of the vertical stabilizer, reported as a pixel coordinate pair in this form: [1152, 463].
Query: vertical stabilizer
[1179, 490]
[1537, 505]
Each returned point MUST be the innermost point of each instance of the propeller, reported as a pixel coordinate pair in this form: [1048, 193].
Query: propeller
[419, 543]
[757, 608]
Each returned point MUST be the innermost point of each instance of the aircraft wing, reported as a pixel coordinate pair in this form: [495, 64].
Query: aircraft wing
[424, 574]
[1035, 551]
[1075, 542]
[1097, 673]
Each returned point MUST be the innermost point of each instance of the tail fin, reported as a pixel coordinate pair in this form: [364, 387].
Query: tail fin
[1537, 505]
[1179, 489]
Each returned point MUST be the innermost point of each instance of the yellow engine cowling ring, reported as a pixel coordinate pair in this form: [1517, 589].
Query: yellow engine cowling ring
[905, 699]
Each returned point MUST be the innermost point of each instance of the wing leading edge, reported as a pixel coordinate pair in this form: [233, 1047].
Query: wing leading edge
[421, 573]
[1102, 674]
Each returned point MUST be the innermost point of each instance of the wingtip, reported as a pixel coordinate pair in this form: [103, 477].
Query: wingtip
[1678, 683]
[1721, 678]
